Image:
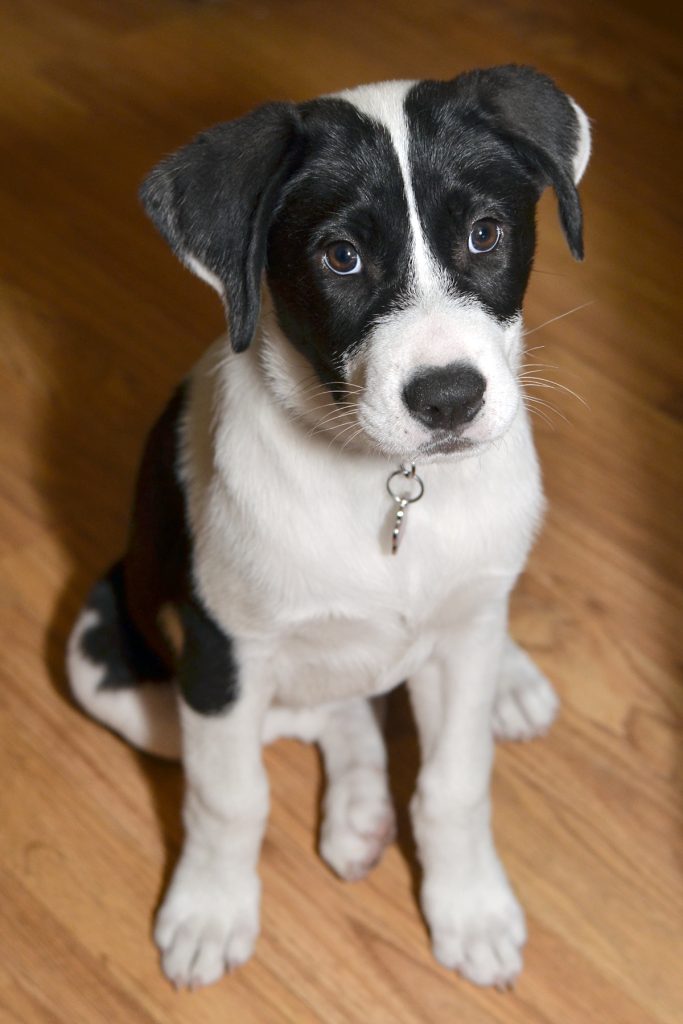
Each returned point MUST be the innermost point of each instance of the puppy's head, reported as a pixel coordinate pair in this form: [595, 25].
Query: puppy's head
[395, 226]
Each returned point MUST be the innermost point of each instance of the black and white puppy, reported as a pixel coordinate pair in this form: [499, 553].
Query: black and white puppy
[372, 250]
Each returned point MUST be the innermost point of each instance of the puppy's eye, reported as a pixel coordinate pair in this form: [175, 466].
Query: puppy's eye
[342, 258]
[484, 236]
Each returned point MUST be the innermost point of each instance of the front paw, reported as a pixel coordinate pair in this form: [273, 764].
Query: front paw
[205, 928]
[477, 929]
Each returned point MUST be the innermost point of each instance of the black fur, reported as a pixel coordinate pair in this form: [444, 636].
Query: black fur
[116, 642]
[155, 572]
[207, 670]
[214, 200]
[349, 187]
[508, 127]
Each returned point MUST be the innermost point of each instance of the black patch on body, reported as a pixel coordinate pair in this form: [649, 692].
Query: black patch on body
[116, 642]
[207, 671]
[348, 187]
[155, 571]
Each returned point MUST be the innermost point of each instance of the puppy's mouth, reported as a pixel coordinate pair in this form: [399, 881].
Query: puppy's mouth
[437, 449]
[442, 444]
[447, 444]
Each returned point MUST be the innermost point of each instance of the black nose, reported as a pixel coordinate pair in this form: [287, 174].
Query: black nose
[445, 397]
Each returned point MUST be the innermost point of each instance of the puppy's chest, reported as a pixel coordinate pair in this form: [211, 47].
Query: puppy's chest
[362, 619]
[307, 580]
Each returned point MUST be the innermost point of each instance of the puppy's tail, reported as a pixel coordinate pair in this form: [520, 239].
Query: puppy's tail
[116, 676]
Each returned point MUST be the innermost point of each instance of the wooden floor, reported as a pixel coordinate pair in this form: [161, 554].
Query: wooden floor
[97, 323]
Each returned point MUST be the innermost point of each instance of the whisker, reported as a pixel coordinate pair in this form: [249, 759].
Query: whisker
[547, 405]
[332, 416]
[326, 423]
[333, 406]
[340, 433]
[317, 432]
[353, 437]
[552, 385]
[533, 411]
[341, 385]
[539, 366]
[531, 369]
[542, 416]
[344, 430]
[560, 316]
[337, 395]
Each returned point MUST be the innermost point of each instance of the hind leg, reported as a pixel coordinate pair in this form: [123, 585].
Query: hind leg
[116, 680]
[526, 704]
[358, 816]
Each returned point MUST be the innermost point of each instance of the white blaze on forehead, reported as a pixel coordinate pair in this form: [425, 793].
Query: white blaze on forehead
[384, 103]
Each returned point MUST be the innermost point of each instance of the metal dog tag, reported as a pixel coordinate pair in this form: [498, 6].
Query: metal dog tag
[398, 524]
[403, 500]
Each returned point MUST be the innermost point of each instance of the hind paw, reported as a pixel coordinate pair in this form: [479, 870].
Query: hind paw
[359, 823]
[526, 704]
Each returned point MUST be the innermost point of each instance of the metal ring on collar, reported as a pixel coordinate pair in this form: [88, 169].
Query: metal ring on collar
[398, 498]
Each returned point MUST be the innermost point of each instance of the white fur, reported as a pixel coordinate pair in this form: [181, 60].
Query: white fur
[146, 716]
[583, 149]
[526, 704]
[209, 920]
[292, 544]
[206, 275]
[476, 923]
[435, 332]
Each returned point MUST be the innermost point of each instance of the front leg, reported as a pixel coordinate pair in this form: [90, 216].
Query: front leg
[476, 923]
[209, 919]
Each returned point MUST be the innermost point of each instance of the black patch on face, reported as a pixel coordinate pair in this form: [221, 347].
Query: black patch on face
[154, 572]
[462, 173]
[485, 145]
[348, 187]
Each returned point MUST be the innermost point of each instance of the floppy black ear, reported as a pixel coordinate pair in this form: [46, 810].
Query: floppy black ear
[214, 199]
[547, 129]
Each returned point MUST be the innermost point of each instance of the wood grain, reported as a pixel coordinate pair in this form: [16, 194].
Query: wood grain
[98, 322]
